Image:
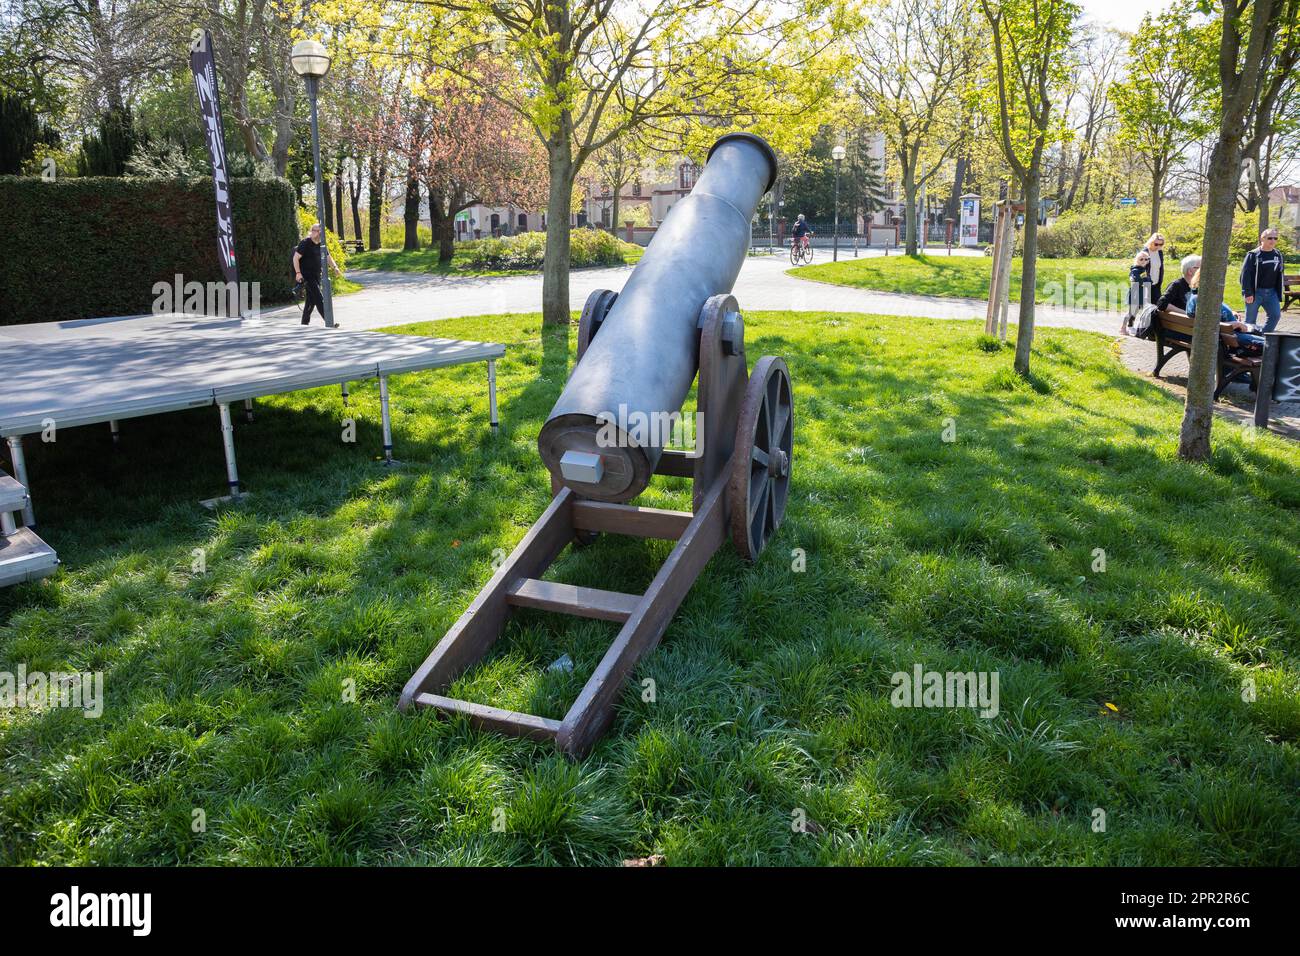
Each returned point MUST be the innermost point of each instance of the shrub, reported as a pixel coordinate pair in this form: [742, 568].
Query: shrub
[1110, 232]
[306, 218]
[88, 247]
[587, 247]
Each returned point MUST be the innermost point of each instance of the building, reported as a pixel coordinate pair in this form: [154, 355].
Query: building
[1284, 209]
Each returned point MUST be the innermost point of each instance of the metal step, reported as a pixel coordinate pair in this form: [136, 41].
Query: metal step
[25, 557]
[13, 496]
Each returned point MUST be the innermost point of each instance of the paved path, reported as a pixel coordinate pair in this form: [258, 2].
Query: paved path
[399, 298]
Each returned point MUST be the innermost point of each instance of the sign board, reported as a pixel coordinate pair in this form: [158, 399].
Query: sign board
[970, 219]
[203, 67]
[1128, 201]
[1279, 373]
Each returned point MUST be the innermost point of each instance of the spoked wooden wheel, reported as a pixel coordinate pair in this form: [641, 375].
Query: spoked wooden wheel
[760, 467]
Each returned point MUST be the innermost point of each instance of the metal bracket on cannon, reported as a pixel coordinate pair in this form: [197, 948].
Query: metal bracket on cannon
[741, 478]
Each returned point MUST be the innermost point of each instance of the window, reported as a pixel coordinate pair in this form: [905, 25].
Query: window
[687, 173]
[636, 188]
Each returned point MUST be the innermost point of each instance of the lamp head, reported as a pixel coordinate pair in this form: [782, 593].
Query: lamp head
[837, 153]
[310, 58]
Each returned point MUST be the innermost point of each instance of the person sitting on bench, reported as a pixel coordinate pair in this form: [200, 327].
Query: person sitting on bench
[1175, 296]
[1248, 344]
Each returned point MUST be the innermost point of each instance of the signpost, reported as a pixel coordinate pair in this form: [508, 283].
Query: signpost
[1279, 373]
[970, 219]
[1128, 201]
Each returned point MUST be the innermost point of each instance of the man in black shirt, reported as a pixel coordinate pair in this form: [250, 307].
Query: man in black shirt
[306, 268]
[1263, 280]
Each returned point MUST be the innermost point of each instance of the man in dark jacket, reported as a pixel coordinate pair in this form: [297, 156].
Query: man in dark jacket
[1263, 280]
[307, 270]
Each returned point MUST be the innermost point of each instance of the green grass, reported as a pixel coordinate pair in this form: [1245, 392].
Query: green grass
[968, 277]
[227, 690]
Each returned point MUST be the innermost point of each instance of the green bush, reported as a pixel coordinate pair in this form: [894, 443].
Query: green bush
[86, 247]
[392, 235]
[1110, 232]
[587, 247]
[306, 218]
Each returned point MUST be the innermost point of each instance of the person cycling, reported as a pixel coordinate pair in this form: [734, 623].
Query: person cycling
[802, 231]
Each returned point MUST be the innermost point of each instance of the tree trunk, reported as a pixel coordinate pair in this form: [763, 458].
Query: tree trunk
[909, 211]
[1157, 194]
[1029, 266]
[555, 268]
[959, 178]
[377, 201]
[338, 196]
[613, 220]
[354, 193]
[411, 215]
[324, 215]
[1198, 412]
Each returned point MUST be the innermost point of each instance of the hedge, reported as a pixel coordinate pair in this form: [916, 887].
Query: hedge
[1110, 232]
[587, 247]
[81, 248]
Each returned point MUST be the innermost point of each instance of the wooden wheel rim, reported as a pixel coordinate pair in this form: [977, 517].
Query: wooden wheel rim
[759, 484]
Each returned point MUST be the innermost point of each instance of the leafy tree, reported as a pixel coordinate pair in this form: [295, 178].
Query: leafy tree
[21, 131]
[1158, 102]
[1259, 47]
[913, 60]
[810, 185]
[1029, 69]
[593, 71]
[106, 151]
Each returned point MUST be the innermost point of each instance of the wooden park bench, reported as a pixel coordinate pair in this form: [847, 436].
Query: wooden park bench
[353, 245]
[1229, 367]
[1290, 291]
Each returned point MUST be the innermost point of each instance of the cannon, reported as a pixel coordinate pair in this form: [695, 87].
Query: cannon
[639, 351]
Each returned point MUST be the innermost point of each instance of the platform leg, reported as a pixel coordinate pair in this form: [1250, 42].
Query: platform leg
[228, 440]
[344, 387]
[20, 474]
[387, 420]
[248, 410]
[492, 394]
[116, 432]
[7, 524]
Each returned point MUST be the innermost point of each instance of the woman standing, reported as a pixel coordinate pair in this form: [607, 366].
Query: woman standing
[1155, 248]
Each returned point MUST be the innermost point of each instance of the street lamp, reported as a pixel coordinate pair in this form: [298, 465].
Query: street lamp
[311, 61]
[837, 154]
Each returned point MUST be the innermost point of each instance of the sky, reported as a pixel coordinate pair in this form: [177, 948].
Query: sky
[1121, 14]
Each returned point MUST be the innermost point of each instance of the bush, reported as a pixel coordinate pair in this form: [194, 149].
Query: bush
[306, 218]
[82, 248]
[392, 235]
[587, 247]
[1110, 232]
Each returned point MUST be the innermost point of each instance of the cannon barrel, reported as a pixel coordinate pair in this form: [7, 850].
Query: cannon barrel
[607, 430]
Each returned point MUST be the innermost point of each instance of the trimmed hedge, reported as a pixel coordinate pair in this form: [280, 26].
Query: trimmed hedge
[95, 246]
[587, 247]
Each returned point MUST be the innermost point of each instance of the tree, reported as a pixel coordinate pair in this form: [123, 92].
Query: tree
[1259, 46]
[106, 151]
[21, 131]
[913, 61]
[1029, 68]
[1096, 62]
[475, 151]
[645, 65]
[1157, 101]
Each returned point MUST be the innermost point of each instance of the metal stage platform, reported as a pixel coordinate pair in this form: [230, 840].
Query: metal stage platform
[64, 374]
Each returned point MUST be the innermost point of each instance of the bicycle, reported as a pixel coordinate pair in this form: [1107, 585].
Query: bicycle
[801, 251]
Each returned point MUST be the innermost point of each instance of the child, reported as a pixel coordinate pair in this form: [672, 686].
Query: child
[1139, 289]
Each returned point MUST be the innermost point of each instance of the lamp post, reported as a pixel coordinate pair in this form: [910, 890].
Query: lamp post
[837, 154]
[311, 61]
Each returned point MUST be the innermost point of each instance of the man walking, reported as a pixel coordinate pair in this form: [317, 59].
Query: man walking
[1263, 280]
[306, 269]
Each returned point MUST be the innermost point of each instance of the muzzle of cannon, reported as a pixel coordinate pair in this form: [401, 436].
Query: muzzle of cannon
[638, 372]
[638, 353]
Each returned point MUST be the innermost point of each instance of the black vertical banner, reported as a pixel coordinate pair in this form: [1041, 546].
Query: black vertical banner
[205, 83]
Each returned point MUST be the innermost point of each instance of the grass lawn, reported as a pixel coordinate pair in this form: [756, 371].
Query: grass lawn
[968, 276]
[1120, 690]
[426, 260]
